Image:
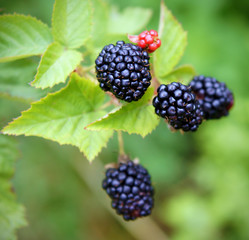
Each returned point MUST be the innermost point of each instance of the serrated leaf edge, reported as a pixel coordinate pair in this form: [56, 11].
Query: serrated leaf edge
[4, 132]
[8, 59]
[91, 127]
[33, 83]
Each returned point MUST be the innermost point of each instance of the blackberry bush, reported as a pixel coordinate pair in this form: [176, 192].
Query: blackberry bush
[214, 96]
[67, 114]
[129, 187]
[178, 106]
[124, 70]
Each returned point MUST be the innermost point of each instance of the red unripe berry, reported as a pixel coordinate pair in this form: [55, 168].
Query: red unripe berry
[149, 39]
[158, 42]
[143, 34]
[153, 33]
[153, 47]
[142, 43]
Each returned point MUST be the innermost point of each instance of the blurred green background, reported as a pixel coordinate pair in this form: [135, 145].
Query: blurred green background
[201, 179]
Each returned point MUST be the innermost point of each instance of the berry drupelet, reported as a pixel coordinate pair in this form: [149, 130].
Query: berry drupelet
[178, 106]
[124, 70]
[214, 96]
[148, 40]
[129, 187]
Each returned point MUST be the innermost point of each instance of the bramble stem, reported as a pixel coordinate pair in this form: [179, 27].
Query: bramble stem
[122, 158]
[154, 81]
[91, 175]
[121, 143]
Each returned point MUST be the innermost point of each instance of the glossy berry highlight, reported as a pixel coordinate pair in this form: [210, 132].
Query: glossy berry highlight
[124, 70]
[215, 98]
[129, 187]
[177, 104]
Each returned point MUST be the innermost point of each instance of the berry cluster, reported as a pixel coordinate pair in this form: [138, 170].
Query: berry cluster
[124, 70]
[129, 187]
[214, 96]
[177, 104]
[149, 40]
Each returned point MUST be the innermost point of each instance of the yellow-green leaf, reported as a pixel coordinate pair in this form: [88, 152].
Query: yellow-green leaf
[22, 36]
[62, 116]
[72, 22]
[137, 117]
[55, 66]
[174, 41]
[181, 74]
[130, 20]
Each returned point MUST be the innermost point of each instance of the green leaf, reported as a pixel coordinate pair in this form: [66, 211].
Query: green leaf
[22, 36]
[72, 22]
[137, 117]
[62, 116]
[174, 41]
[131, 20]
[100, 23]
[8, 156]
[15, 76]
[55, 66]
[181, 74]
[11, 213]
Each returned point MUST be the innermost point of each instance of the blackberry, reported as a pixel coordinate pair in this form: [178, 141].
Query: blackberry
[178, 106]
[124, 70]
[129, 187]
[214, 96]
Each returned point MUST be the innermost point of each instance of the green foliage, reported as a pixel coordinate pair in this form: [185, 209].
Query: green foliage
[201, 179]
[22, 36]
[131, 20]
[137, 117]
[62, 116]
[107, 21]
[72, 22]
[174, 40]
[56, 64]
[8, 156]
[100, 24]
[71, 29]
[183, 74]
[15, 77]
[11, 213]
[222, 175]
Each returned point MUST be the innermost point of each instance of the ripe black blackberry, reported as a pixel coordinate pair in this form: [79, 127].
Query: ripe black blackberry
[124, 70]
[130, 189]
[178, 106]
[214, 96]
